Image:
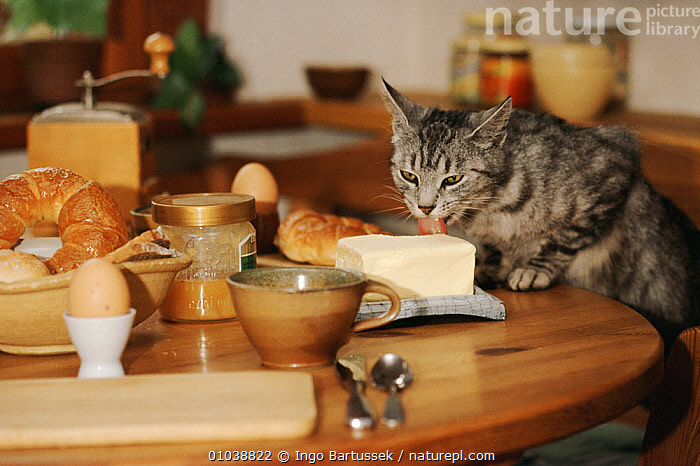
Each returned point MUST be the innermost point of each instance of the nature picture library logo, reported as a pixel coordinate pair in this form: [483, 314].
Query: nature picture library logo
[658, 20]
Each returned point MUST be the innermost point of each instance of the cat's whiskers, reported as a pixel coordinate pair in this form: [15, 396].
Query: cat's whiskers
[474, 202]
[393, 189]
[465, 209]
[400, 213]
[400, 209]
[406, 214]
[392, 197]
[463, 215]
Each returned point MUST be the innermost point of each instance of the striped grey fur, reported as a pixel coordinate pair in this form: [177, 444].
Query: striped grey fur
[549, 202]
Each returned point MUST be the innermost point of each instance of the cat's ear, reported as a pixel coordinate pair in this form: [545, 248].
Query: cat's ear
[406, 114]
[492, 130]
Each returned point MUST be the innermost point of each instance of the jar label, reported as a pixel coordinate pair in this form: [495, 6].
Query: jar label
[247, 252]
[249, 261]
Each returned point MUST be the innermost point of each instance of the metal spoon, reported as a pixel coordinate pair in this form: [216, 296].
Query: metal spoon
[391, 373]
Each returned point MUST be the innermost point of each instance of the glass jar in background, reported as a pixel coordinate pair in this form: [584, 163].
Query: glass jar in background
[214, 229]
[465, 61]
[586, 31]
[505, 71]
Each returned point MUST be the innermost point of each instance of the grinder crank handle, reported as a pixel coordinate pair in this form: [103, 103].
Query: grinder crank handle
[159, 47]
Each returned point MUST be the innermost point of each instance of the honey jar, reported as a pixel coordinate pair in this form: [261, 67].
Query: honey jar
[505, 71]
[214, 229]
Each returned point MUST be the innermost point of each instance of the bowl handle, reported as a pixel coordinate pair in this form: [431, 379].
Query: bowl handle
[388, 316]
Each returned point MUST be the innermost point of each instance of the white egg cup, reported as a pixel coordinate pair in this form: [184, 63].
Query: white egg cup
[100, 342]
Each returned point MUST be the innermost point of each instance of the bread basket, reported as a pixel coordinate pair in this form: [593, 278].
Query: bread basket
[31, 311]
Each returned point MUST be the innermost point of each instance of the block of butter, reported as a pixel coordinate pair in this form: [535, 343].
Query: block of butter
[414, 266]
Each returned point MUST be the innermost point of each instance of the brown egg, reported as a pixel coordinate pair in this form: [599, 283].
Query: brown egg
[256, 180]
[98, 289]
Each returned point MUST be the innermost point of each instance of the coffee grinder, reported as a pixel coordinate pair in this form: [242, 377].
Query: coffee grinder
[109, 142]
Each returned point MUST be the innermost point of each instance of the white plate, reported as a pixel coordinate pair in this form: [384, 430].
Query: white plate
[43, 248]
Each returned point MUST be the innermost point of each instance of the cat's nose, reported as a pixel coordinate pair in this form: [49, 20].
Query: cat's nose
[426, 210]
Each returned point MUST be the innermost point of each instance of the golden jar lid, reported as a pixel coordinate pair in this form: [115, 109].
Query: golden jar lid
[203, 209]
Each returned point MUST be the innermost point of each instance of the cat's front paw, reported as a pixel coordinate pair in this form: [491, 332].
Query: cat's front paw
[528, 279]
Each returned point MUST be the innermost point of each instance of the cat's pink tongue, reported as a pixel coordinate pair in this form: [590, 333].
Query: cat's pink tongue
[432, 226]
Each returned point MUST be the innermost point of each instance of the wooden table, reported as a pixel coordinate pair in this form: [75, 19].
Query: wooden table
[562, 361]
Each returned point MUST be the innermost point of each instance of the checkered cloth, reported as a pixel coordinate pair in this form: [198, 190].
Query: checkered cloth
[480, 304]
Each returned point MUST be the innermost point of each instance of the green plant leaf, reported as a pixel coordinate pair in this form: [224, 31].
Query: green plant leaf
[193, 111]
[224, 73]
[24, 14]
[185, 65]
[192, 52]
[209, 53]
[197, 62]
[188, 37]
[174, 91]
[188, 41]
[88, 17]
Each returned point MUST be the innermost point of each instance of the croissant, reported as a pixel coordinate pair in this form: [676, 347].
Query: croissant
[307, 236]
[89, 222]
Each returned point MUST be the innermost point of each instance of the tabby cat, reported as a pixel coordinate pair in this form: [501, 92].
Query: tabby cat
[548, 202]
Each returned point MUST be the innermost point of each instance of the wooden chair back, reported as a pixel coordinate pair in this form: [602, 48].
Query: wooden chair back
[672, 435]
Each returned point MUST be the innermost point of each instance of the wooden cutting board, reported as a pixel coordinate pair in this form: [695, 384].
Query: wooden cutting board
[161, 408]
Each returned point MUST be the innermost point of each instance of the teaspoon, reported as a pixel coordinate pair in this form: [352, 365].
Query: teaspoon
[391, 373]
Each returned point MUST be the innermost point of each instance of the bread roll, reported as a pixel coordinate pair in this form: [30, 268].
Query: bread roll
[17, 265]
[307, 236]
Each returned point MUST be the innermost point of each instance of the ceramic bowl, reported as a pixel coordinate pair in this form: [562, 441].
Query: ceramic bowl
[336, 82]
[31, 311]
[141, 219]
[573, 81]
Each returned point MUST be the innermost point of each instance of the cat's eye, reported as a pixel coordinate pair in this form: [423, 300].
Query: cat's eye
[452, 180]
[408, 176]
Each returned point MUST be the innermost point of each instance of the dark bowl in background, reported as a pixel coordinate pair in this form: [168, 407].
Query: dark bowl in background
[336, 82]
